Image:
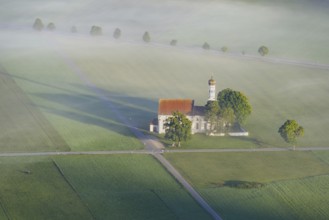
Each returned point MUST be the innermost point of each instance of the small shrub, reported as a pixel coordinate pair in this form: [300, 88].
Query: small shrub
[38, 25]
[263, 50]
[146, 37]
[224, 49]
[74, 29]
[243, 184]
[206, 46]
[117, 33]
[96, 31]
[51, 26]
[173, 42]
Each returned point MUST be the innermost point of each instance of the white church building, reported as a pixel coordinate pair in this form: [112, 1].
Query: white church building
[196, 114]
[193, 112]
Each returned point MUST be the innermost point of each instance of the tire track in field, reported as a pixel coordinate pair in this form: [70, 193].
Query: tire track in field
[72, 187]
[4, 210]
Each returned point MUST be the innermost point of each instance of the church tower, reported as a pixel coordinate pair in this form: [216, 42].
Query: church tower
[212, 89]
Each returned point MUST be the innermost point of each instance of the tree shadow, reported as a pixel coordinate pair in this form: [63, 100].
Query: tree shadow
[103, 108]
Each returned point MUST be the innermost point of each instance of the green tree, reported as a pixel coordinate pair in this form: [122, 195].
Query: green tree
[38, 25]
[206, 46]
[173, 42]
[263, 50]
[51, 26]
[211, 115]
[224, 49]
[74, 29]
[96, 31]
[237, 101]
[290, 131]
[117, 33]
[178, 128]
[146, 37]
[227, 119]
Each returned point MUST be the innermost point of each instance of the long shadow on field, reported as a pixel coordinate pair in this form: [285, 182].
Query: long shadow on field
[138, 111]
[101, 109]
[102, 112]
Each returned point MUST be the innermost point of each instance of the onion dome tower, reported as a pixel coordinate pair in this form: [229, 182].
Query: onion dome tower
[212, 89]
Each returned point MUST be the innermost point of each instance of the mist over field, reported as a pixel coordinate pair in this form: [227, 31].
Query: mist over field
[292, 29]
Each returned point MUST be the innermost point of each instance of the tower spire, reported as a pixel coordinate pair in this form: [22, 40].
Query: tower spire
[212, 89]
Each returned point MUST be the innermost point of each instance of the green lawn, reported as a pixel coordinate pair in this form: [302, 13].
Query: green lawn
[79, 116]
[295, 183]
[23, 126]
[128, 187]
[134, 78]
[294, 200]
[92, 187]
[32, 188]
[74, 86]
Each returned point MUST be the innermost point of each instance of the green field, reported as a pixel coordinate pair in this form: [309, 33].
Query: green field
[133, 77]
[23, 127]
[32, 188]
[92, 187]
[74, 86]
[80, 117]
[295, 183]
[65, 92]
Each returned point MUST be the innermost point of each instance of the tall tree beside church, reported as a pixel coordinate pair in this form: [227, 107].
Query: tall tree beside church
[227, 118]
[237, 101]
[211, 116]
[177, 128]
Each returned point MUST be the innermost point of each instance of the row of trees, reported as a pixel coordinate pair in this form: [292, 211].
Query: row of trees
[39, 26]
[262, 50]
[97, 31]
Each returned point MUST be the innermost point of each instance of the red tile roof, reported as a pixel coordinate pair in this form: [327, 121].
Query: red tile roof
[168, 106]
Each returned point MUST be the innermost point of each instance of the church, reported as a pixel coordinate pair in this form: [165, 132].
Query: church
[196, 114]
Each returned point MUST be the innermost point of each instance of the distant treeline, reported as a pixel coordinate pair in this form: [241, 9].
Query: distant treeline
[98, 31]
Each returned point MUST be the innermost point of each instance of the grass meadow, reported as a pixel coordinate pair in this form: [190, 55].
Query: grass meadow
[62, 92]
[128, 187]
[32, 188]
[295, 29]
[73, 80]
[81, 118]
[295, 183]
[23, 127]
[68, 76]
[92, 187]
[133, 76]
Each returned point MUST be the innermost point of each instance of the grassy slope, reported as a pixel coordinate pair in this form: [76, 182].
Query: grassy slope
[128, 187]
[41, 194]
[80, 116]
[23, 127]
[92, 187]
[294, 28]
[296, 183]
[134, 78]
[294, 199]
[262, 167]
